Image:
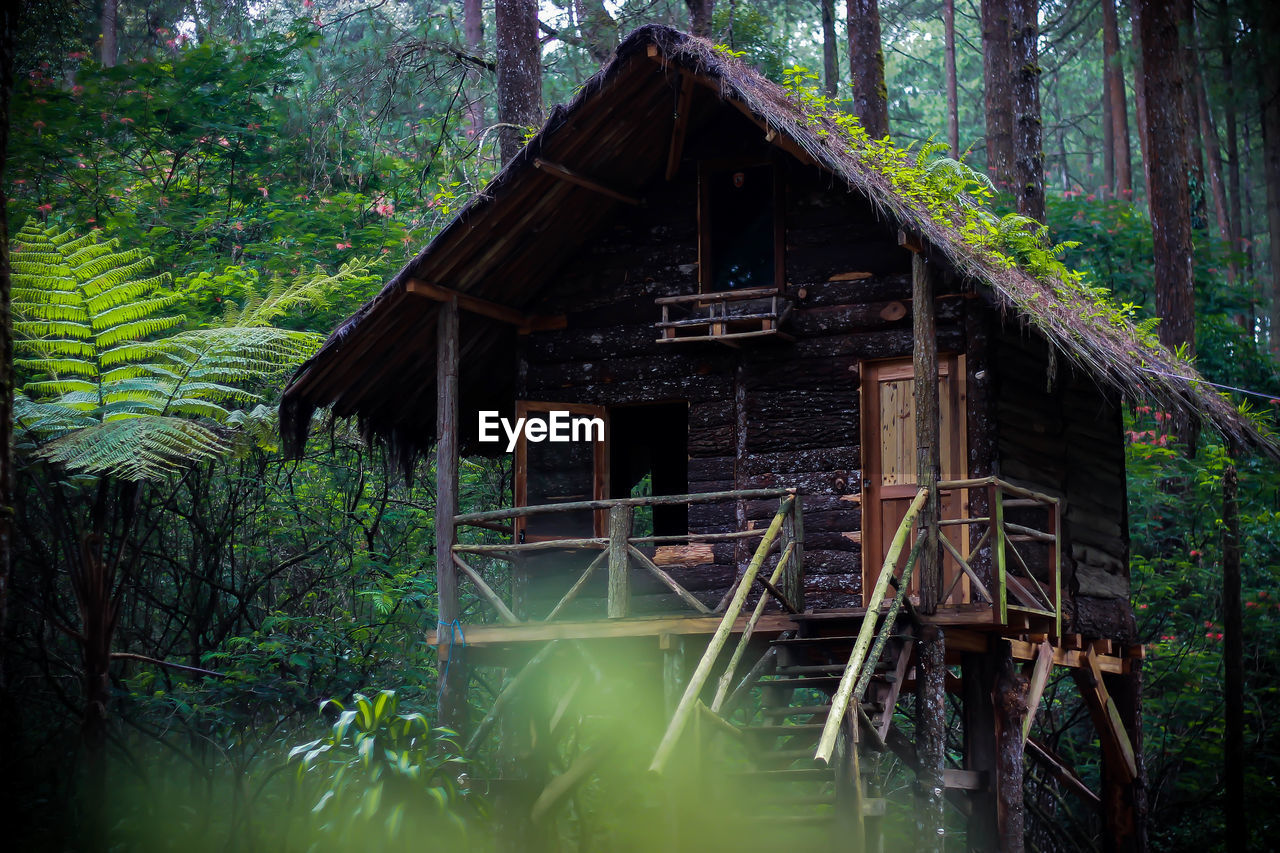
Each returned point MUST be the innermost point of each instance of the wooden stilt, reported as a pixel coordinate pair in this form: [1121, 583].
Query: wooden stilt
[978, 674]
[1010, 705]
[931, 664]
[453, 673]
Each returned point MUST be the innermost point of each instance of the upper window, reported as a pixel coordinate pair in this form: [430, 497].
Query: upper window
[740, 225]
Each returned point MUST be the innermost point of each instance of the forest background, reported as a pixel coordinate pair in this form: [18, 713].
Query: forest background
[237, 177]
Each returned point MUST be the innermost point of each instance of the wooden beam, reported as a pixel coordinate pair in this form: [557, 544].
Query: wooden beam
[1039, 678]
[453, 683]
[619, 592]
[1061, 771]
[486, 592]
[485, 308]
[1106, 718]
[564, 173]
[681, 127]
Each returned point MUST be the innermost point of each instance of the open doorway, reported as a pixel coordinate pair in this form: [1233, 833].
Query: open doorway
[649, 455]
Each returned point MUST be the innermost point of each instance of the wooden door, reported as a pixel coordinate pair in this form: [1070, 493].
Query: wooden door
[560, 472]
[889, 457]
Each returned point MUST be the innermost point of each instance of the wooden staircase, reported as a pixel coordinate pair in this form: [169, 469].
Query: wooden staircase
[789, 797]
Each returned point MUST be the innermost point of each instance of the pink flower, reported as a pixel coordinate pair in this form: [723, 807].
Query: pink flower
[344, 245]
[45, 208]
[38, 125]
[1197, 553]
[126, 120]
[263, 190]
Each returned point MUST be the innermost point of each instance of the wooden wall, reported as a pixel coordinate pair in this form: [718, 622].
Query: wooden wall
[1059, 433]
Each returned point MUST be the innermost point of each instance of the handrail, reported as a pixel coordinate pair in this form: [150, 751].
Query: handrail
[703, 671]
[651, 500]
[857, 658]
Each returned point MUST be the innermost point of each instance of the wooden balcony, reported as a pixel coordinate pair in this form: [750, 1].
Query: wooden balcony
[1001, 566]
[727, 317]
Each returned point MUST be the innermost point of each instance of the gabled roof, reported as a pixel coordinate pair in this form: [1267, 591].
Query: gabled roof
[379, 364]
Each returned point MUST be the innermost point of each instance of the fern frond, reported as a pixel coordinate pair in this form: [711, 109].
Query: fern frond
[140, 448]
[132, 330]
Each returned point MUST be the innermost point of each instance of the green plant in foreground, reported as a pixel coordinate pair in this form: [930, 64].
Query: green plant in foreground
[380, 768]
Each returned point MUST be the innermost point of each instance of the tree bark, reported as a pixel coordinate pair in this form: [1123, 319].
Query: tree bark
[1108, 138]
[998, 91]
[1167, 190]
[1269, 93]
[519, 72]
[1191, 131]
[1028, 131]
[1226, 44]
[1233, 664]
[1213, 153]
[866, 67]
[953, 100]
[1010, 710]
[110, 32]
[1121, 157]
[452, 708]
[1140, 98]
[473, 34]
[830, 50]
[931, 739]
[700, 12]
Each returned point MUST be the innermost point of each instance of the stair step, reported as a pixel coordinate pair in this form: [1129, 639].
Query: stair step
[802, 819]
[796, 710]
[788, 755]
[800, 728]
[782, 799]
[801, 775]
[805, 681]
[819, 669]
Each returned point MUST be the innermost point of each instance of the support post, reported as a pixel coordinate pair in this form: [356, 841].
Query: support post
[619, 602]
[1233, 663]
[453, 673]
[792, 584]
[931, 666]
[1010, 701]
[977, 673]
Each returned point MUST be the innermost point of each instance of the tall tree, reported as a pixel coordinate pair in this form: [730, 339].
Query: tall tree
[998, 90]
[1226, 47]
[700, 12]
[519, 72]
[866, 66]
[473, 33]
[1191, 107]
[1269, 94]
[830, 51]
[109, 21]
[1028, 130]
[1140, 98]
[1121, 182]
[1167, 190]
[953, 101]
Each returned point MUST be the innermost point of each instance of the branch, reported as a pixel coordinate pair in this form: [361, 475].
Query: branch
[170, 664]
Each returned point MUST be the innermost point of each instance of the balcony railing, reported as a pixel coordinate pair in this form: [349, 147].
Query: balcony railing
[620, 551]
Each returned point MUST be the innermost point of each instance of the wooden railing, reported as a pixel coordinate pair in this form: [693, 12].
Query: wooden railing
[620, 551]
[1010, 584]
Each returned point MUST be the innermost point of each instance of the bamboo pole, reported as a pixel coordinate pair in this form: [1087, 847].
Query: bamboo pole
[726, 679]
[840, 702]
[703, 671]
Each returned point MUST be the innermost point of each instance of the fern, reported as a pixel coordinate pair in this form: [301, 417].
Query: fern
[106, 391]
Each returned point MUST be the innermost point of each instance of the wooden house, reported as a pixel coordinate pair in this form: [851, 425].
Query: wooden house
[785, 350]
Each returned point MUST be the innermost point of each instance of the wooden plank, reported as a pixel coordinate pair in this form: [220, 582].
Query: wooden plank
[484, 307]
[964, 780]
[683, 106]
[1106, 718]
[564, 173]
[1039, 678]
[658, 500]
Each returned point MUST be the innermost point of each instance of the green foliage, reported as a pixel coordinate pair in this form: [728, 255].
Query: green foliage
[103, 394]
[383, 776]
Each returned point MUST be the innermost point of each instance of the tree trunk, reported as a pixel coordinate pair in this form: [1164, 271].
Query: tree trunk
[1209, 135]
[8, 716]
[1167, 190]
[1122, 185]
[1233, 664]
[1028, 132]
[931, 739]
[998, 91]
[1226, 44]
[830, 50]
[473, 34]
[866, 66]
[1269, 93]
[1010, 703]
[1191, 131]
[953, 100]
[110, 32]
[700, 12]
[1108, 140]
[599, 29]
[1140, 98]
[519, 72]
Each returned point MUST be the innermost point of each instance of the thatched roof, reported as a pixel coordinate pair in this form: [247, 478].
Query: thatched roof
[379, 365]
